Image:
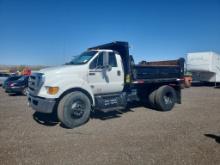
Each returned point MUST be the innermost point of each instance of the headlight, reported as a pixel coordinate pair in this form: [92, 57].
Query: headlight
[12, 84]
[52, 90]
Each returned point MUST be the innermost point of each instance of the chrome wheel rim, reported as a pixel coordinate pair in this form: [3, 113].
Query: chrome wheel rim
[77, 109]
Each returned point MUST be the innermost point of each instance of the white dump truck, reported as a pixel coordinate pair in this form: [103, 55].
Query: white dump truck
[204, 66]
[104, 78]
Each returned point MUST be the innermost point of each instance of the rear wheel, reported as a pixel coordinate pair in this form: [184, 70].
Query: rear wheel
[74, 109]
[151, 99]
[165, 98]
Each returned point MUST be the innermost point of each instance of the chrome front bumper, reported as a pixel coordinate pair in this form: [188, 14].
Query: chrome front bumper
[41, 104]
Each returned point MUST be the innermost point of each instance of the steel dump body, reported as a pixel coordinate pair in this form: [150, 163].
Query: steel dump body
[159, 71]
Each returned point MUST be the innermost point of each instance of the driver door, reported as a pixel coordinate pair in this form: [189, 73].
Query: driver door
[106, 76]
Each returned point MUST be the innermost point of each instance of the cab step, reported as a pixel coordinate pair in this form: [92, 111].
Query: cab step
[111, 109]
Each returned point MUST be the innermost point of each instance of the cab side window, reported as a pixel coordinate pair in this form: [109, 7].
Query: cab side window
[112, 59]
[97, 62]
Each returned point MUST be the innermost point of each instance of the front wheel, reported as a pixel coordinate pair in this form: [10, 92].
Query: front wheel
[74, 109]
[165, 98]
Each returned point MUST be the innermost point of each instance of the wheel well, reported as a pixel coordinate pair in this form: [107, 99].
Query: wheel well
[76, 89]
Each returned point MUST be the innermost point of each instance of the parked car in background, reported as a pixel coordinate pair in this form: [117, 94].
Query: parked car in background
[3, 77]
[18, 86]
[10, 79]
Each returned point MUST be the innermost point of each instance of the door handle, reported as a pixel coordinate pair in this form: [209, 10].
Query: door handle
[118, 72]
[91, 73]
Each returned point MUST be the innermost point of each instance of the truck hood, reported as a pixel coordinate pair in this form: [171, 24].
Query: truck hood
[64, 69]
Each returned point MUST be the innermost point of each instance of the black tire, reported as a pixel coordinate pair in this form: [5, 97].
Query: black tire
[165, 98]
[74, 109]
[152, 99]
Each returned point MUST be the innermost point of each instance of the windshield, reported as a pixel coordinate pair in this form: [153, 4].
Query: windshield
[14, 78]
[82, 58]
[23, 78]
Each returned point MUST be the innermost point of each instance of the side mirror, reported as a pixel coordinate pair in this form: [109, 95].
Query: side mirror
[105, 58]
[108, 67]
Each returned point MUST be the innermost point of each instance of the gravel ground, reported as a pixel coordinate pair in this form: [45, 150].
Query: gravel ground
[189, 134]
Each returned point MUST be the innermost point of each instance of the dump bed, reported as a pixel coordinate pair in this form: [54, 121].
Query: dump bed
[159, 70]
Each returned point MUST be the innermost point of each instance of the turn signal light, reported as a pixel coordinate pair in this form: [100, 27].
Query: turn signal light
[52, 90]
[128, 78]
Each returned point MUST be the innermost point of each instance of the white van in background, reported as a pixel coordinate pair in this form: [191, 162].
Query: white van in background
[204, 66]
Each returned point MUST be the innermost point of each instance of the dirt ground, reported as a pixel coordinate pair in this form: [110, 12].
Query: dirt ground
[189, 134]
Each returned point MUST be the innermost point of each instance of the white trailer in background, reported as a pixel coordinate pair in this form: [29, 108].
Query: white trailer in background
[204, 66]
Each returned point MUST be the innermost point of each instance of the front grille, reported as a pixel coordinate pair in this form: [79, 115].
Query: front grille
[34, 83]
